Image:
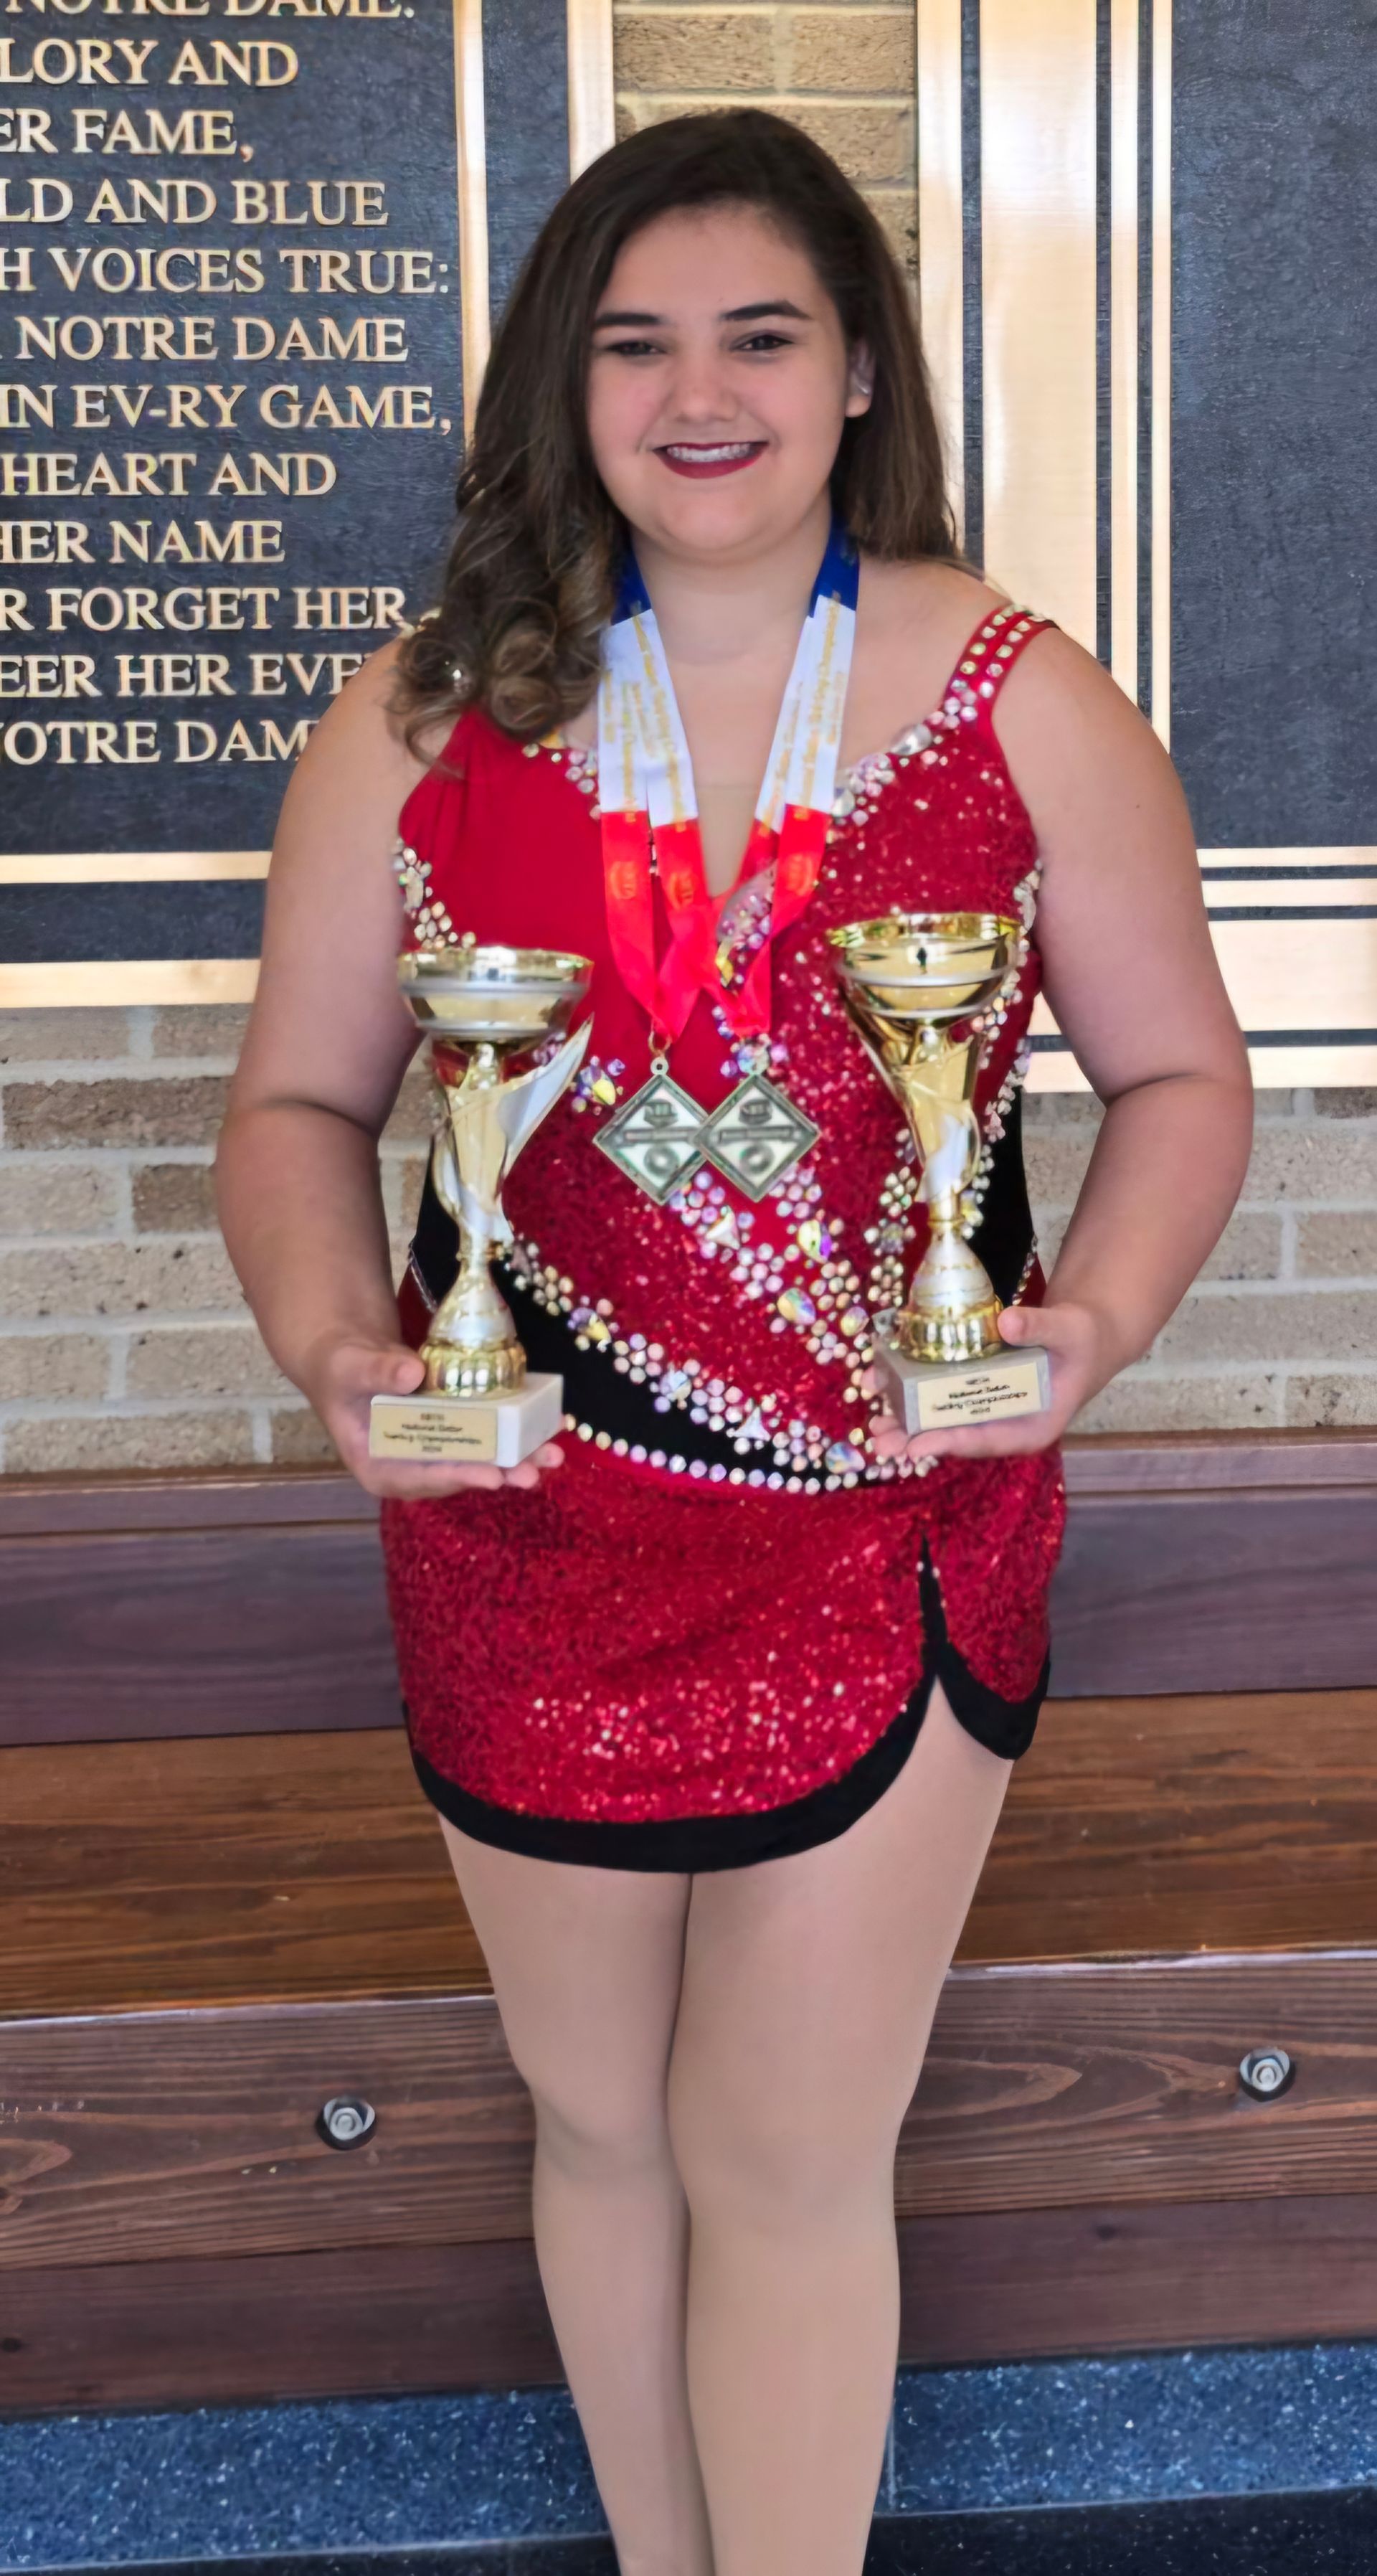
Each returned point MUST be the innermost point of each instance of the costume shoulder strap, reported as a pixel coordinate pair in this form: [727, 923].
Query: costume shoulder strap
[991, 652]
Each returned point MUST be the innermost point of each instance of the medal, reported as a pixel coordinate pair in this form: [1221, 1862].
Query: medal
[649, 806]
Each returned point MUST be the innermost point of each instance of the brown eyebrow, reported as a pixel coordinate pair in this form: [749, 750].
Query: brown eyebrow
[739, 313]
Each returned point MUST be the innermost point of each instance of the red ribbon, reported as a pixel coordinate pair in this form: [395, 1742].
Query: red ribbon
[690, 966]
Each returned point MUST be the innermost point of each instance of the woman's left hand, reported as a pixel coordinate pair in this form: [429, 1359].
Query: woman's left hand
[1075, 1340]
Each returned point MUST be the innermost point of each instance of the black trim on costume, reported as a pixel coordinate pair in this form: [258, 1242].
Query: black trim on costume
[1004, 1237]
[694, 1842]
[1004, 1727]
[597, 1392]
[594, 1389]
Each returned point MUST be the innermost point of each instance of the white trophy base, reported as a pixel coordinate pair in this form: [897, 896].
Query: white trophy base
[468, 1430]
[956, 1395]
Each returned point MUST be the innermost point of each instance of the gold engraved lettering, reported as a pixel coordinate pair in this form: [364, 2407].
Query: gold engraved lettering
[257, 64]
[198, 741]
[47, 675]
[333, 608]
[26, 129]
[39, 541]
[298, 473]
[174, 675]
[227, 610]
[198, 131]
[76, 743]
[35, 201]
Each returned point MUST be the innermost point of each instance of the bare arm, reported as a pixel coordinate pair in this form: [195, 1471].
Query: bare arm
[1132, 979]
[328, 1042]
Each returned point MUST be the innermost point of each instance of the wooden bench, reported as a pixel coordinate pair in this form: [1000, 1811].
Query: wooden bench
[204, 1940]
[206, 1933]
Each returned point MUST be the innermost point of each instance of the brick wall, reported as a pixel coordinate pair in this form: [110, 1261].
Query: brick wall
[845, 73]
[123, 1340]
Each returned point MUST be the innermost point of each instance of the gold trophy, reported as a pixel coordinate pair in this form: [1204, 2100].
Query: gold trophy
[916, 986]
[479, 1007]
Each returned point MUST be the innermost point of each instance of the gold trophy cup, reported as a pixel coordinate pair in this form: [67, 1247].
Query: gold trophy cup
[916, 985]
[479, 1007]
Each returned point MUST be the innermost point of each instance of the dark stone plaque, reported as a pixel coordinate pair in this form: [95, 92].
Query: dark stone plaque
[1274, 381]
[231, 413]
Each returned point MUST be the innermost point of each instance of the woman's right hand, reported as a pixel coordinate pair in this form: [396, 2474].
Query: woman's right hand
[341, 1380]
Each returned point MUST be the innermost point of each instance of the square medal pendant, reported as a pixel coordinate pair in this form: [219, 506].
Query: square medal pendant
[757, 1136]
[657, 1139]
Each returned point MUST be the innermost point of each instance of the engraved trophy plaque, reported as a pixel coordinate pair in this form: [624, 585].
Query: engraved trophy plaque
[917, 986]
[479, 1008]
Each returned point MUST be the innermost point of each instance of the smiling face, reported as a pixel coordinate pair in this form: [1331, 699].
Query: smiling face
[718, 383]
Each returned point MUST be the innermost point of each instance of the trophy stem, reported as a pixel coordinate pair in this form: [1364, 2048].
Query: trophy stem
[472, 1347]
[952, 1310]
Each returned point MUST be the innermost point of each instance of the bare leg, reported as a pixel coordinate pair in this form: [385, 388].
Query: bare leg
[809, 1987]
[586, 1965]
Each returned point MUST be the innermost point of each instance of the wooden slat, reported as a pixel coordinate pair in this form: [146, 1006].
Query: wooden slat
[210, 1632]
[252, 1600]
[271, 2326]
[192, 2135]
[310, 1868]
[1269, 1589]
[1001, 2288]
[1043, 2282]
[267, 1868]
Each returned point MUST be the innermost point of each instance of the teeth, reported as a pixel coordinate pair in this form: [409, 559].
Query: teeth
[711, 455]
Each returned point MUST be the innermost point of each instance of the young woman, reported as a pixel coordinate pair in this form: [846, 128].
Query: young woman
[718, 1696]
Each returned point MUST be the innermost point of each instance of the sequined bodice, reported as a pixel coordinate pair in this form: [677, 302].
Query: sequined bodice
[743, 1329]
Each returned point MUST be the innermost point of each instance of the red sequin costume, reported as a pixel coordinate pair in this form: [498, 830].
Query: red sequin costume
[709, 1637]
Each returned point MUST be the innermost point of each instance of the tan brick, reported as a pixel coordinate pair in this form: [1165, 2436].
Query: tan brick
[200, 1028]
[1347, 1403]
[1250, 1248]
[713, 49]
[411, 1119]
[1132, 1403]
[1343, 1103]
[38, 1448]
[403, 1181]
[202, 1359]
[63, 1037]
[1049, 1226]
[848, 49]
[897, 209]
[1337, 1244]
[300, 1439]
[118, 1279]
[56, 1368]
[1055, 1161]
[1339, 1325]
[1296, 1160]
[1044, 1109]
[176, 1109]
[174, 1198]
[869, 142]
[57, 1198]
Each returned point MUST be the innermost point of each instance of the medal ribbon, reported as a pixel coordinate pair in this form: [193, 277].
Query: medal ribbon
[647, 798]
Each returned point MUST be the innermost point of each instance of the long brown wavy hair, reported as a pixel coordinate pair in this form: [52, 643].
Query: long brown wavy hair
[528, 587]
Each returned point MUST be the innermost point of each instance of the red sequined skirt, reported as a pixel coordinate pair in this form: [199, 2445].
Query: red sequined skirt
[643, 1674]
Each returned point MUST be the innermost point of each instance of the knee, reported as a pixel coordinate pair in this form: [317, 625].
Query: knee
[750, 2165]
[596, 2130]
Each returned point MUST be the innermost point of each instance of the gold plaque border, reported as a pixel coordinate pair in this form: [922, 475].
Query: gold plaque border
[1036, 345]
